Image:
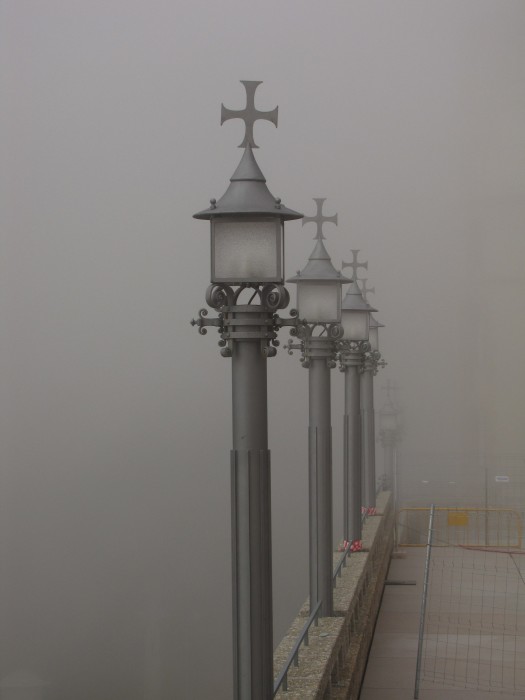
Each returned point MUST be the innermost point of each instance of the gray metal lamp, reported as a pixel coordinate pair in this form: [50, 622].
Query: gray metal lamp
[388, 416]
[247, 253]
[352, 349]
[372, 362]
[319, 287]
[355, 317]
[389, 435]
[373, 337]
[247, 229]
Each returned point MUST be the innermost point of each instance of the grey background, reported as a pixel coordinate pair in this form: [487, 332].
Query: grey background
[115, 414]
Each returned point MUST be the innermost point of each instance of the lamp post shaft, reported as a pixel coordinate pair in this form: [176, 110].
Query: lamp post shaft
[352, 454]
[368, 436]
[389, 462]
[251, 520]
[320, 479]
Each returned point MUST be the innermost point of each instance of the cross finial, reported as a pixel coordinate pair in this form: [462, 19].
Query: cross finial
[355, 264]
[319, 219]
[365, 289]
[249, 114]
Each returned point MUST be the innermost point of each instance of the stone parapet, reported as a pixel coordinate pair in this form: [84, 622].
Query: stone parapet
[332, 666]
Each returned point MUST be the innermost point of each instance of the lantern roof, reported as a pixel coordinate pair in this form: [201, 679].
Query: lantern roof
[248, 195]
[374, 323]
[354, 301]
[319, 268]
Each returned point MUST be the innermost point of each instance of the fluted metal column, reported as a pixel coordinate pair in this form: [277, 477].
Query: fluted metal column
[351, 365]
[368, 434]
[251, 513]
[319, 352]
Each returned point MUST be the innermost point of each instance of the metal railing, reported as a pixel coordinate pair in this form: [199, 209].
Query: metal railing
[293, 657]
[282, 679]
[424, 603]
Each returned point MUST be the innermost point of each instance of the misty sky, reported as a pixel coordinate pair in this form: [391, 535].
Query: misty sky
[115, 415]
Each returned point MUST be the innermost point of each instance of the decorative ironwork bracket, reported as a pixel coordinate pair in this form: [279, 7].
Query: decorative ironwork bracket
[237, 322]
[351, 353]
[374, 361]
[315, 346]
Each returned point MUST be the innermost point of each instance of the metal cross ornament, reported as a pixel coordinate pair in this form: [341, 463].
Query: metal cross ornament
[355, 264]
[364, 289]
[249, 114]
[319, 219]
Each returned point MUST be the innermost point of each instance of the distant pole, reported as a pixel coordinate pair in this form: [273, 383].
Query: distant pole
[319, 308]
[371, 366]
[351, 365]
[355, 319]
[320, 354]
[368, 433]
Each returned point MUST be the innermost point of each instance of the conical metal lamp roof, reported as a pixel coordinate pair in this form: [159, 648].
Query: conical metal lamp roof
[354, 301]
[248, 194]
[374, 323]
[319, 268]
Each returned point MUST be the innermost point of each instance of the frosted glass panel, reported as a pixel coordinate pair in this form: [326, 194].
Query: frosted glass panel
[246, 251]
[318, 302]
[388, 421]
[355, 324]
[373, 338]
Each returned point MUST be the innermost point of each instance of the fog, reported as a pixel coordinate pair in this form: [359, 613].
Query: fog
[115, 423]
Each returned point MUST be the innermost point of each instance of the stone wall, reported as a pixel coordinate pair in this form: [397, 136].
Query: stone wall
[333, 664]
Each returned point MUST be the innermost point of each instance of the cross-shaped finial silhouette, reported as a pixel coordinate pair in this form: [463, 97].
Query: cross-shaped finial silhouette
[249, 114]
[355, 264]
[319, 219]
[365, 289]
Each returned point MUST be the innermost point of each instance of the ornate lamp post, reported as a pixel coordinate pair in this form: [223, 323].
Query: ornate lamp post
[247, 253]
[388, 434]
[355, 321]
[319, 308]
[371, 366]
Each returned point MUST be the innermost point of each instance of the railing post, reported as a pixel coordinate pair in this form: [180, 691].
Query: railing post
[423, 603]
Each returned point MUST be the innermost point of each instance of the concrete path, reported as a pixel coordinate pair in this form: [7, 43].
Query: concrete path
[475, 633]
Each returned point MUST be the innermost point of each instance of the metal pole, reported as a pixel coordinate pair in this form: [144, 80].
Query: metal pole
[251, 521]
[352, 449]
[319, 352]
[389, 461]
[395, 493]
[424, 603]
[368, 433]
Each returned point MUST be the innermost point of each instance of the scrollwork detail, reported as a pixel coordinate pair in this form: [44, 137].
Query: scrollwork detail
[335, 331]
[219, 295]
[275, 296]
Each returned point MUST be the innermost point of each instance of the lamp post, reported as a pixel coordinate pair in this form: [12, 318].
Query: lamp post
[355, 321]
[388, 434]
[371, 366]
[247, 253]
[319, 308]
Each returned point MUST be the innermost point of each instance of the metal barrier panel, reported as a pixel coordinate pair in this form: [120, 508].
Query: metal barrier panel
[467, 527]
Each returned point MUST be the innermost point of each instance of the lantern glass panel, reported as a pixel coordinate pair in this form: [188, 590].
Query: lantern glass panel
[246, 250]
[355, 324]
[388, 420]
[373, 338]
[319, 302]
